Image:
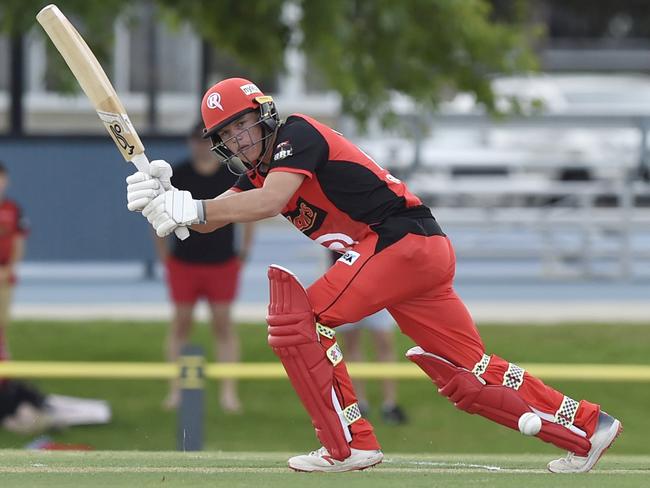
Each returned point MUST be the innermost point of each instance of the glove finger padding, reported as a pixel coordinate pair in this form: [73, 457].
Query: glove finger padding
[137, 177]
[156, 206]
[147, 194]
[161, 219]
[166, 228]
[138, 203]
[156, 214]
[141, 189]
[143, 185]
[161, 170]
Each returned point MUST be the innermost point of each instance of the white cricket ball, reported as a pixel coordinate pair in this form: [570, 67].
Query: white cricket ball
[530, 424]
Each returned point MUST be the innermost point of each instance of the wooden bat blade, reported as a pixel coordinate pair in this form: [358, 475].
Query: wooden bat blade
[97, 87]
[93, 81]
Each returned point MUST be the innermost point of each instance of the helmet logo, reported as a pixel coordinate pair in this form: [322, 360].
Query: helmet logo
[214, 101]
[250, 88]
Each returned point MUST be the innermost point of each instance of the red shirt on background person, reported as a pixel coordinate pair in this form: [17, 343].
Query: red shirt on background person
[13, 229]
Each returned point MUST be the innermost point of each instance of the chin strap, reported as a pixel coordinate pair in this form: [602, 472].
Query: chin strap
[265, 159]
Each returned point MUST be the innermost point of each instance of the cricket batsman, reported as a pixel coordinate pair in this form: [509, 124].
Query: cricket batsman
[394, 255]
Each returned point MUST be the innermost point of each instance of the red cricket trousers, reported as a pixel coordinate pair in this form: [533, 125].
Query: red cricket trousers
[413, 279]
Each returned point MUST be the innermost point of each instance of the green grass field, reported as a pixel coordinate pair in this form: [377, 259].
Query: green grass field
[243, 469]
[273, 420]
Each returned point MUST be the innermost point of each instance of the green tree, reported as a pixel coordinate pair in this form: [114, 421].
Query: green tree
[365, 50]
[368, 49]
[422, 48]
[96, 27]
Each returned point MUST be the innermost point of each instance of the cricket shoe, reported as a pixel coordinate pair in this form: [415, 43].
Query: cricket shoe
[393, 415]
[321, 460]
[606, 432]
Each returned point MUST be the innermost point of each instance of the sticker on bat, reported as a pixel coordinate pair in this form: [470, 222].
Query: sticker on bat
[119, 125]
[116, 132]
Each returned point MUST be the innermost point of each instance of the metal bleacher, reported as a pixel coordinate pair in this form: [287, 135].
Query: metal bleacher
[569, 190]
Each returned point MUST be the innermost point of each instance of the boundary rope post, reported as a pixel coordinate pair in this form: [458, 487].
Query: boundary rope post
[191, 378]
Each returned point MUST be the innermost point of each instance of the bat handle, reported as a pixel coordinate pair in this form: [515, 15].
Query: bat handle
[142, 163]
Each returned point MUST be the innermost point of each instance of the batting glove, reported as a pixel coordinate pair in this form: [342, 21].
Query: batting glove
[142, 188]
[174, 209]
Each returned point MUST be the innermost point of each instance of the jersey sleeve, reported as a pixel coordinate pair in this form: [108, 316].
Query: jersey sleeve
[243, 183]
[300, 148]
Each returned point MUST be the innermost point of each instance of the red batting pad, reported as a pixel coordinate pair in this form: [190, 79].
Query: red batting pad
[293, 337]
[495, 402]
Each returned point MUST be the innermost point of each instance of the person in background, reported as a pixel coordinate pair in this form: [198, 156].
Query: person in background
[24, 409]
[380, 326]
[13, 230]
[206, 266]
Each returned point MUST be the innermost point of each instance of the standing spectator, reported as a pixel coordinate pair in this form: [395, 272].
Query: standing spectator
[381, 327]
[204, 266]
[13, 229]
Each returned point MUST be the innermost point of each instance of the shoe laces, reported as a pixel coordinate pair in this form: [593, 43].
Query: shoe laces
[321, 451]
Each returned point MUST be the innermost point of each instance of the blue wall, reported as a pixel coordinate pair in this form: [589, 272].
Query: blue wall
[72, 190]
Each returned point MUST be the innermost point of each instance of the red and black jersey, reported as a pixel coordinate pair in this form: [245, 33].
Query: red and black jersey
[12, 224]
[346, 194]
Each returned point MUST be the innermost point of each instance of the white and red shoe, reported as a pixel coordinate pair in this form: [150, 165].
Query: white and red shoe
[606, 432]
[320, 460]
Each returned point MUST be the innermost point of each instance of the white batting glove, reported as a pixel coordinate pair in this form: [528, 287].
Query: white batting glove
[174, 209]
[161, 169]
[142, 188]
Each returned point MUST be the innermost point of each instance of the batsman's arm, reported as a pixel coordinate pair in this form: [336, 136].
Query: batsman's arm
[252, 205]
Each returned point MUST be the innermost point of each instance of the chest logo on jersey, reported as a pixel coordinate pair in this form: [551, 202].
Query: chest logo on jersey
[283, 150]
[306, 217]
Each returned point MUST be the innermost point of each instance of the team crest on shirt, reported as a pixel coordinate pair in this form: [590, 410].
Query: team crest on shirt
[306, 217]
[282, 150]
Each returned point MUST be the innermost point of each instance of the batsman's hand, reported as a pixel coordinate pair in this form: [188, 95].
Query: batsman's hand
[142, 188]
[174, 209]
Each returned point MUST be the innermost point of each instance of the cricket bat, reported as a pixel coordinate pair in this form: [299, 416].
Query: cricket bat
[97, 87]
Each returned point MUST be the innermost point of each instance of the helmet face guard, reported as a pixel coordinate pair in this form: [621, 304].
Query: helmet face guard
[226, 102]
[236, 162]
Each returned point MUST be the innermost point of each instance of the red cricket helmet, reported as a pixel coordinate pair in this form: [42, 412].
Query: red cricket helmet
[228, 100]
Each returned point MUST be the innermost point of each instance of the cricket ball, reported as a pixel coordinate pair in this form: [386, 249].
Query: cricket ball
[529, 424]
